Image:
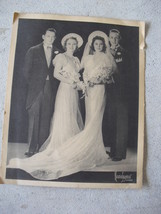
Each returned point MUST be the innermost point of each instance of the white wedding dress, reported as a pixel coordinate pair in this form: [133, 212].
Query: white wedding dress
[71, 149]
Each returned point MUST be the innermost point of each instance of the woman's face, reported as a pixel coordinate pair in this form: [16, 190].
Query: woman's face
[71, 45]
[98, 45]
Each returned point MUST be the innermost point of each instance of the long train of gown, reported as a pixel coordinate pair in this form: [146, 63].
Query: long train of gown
[83, 151]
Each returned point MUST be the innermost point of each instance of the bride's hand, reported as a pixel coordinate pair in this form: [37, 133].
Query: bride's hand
[74, 85]
[91, 84]
[81, 85]
[92, 81]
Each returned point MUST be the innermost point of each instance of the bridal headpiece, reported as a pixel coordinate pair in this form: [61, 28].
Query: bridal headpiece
[97, 33]
[100, 34]
[72, 35]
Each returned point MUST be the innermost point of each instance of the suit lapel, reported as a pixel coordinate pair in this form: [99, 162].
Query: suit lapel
[55, 51]
[42, 55]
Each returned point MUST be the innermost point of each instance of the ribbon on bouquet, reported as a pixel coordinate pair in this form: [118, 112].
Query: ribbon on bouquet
[83, 87]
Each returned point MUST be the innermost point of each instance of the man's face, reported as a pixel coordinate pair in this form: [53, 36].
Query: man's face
[49, 37]
[114, 39]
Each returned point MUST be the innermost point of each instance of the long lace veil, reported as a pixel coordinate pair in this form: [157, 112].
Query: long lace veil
[88, 50]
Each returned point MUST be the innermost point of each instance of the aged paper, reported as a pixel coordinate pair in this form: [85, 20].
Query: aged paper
[120, 132]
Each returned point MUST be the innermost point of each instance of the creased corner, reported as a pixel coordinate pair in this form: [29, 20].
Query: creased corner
[1, 180]
[142, 36]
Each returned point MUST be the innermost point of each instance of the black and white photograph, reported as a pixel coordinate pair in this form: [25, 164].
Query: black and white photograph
[74, 114]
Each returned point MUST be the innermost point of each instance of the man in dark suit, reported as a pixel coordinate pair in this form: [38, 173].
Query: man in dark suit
[117, 108]
[42, 88]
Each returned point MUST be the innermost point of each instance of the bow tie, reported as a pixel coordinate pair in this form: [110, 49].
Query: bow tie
[49, 46]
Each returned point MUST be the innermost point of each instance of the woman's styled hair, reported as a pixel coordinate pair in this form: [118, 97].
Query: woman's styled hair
[98, 38]
[65, 43]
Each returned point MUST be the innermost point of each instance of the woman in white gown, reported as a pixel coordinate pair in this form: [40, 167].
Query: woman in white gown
[85, 149]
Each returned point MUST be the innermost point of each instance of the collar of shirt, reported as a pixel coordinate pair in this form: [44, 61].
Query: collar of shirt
[115, 49]
[47, 46]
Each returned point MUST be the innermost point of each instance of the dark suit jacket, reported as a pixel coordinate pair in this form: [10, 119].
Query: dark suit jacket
[121, 77]
[36, 71]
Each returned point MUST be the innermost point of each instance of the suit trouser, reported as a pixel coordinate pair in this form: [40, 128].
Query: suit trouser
[116, 130]
[120, 123]
[40, 114]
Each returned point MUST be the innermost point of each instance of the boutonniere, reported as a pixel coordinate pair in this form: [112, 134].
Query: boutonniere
[119, 53]
[56, 52]
[119, 59]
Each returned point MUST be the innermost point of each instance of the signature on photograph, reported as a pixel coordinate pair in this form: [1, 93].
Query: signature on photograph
[121, 177]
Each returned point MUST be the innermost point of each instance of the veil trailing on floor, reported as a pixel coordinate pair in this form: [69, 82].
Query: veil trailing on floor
[83, 149]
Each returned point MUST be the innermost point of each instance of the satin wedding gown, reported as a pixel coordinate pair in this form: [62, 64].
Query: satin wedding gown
[84, 149]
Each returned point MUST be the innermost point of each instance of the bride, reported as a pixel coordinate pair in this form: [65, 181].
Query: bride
[77, 149]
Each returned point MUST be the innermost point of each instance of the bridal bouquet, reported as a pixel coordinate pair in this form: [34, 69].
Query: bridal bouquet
[100, 75]
[104, 75]
[70, 75]
[75, 77]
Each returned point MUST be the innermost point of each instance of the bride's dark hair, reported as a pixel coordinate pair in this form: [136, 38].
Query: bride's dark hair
[98, 38]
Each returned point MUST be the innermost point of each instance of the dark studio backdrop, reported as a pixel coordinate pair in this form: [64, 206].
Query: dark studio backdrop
[30, 34]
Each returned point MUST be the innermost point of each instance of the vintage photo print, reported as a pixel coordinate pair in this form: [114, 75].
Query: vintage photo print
[74, 113]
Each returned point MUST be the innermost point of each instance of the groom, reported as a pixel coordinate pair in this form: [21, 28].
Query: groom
[117, 109]
[42, 88]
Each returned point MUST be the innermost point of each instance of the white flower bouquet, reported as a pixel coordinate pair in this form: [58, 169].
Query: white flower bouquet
[100, 75]
[75, 78]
